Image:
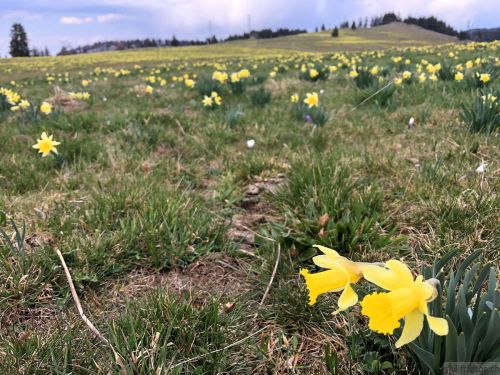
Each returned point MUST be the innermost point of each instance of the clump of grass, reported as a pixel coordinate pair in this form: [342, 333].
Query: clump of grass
[238, 87]
[365, 79]
[169, 330]
[483, 115]
[315, 115]
[377, 94]
[260, 97]
[352, 210]
[446, 73]
[314, 73]
[233, 116]
[205, 85]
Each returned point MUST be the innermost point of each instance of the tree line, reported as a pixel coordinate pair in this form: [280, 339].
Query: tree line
[265, 34]
[19, 43]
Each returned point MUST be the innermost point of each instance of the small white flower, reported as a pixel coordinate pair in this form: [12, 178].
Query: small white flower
[321, 91]
[411, 122]
[104, 99]
[251, 143]
[482, 167]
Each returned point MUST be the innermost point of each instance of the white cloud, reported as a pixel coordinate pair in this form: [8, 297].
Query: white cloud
[71, 20]
[21, 15]
[112, 17]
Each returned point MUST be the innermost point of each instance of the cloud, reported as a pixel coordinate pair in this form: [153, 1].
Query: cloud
[21, 15]
[113, 17]
[71, 20]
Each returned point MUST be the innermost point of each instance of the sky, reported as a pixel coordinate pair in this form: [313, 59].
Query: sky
[56, 23]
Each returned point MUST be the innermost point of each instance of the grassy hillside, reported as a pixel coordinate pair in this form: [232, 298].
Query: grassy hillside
[396, 34]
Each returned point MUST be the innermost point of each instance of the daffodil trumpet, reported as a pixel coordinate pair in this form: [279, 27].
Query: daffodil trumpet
[407, 299]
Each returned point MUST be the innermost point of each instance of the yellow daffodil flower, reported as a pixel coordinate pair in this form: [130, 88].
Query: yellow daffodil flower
[294, 98]
[312, 100]
[45, 145]
[207, 101]
[46, 108]
[407, 298]
[244, 73]
[353, 74]
[484, 77]
[340, 274]
[24, 104]
[149, 90]
[459, 76]
[217, 99]
[313, 73]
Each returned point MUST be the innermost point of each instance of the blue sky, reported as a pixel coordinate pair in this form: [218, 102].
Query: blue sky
[54, 23]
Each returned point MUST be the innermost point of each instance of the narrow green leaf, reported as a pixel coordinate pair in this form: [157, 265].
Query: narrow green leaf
[439, 264]
[451, 353]
[461, 348]
[463, 266]
[463, 313]
[426, 357]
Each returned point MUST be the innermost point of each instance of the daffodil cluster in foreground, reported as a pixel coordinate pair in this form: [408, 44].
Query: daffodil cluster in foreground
[405, 298]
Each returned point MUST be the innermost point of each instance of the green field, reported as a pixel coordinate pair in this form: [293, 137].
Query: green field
[185, 240]
[386, 36]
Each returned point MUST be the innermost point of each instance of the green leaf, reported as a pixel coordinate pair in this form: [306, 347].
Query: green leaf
[463, 313]
[450, 301]
[492, 338]
[426, 357]
[451, 353]
[492, 281]
[461, 348]
[439, 264]
[463, 266]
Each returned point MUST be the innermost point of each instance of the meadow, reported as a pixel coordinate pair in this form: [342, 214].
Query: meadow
[189, 188]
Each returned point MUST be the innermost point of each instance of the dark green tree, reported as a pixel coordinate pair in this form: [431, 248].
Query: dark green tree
[19, 41]
[353, 26]
[335, 32]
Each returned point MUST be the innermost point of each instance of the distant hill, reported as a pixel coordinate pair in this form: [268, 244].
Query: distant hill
[483, 35]
[396, 34]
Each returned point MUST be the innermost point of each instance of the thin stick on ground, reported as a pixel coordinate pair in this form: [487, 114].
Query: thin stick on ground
[278, 256]
[86, 320]
[371, 96]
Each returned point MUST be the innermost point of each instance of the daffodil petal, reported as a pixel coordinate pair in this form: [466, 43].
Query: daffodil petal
[381, 277]
[347, 299]
[324, 261]
[414, 323]
[323, 282]
[327, 251]
[401, 270]
[438, 325]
